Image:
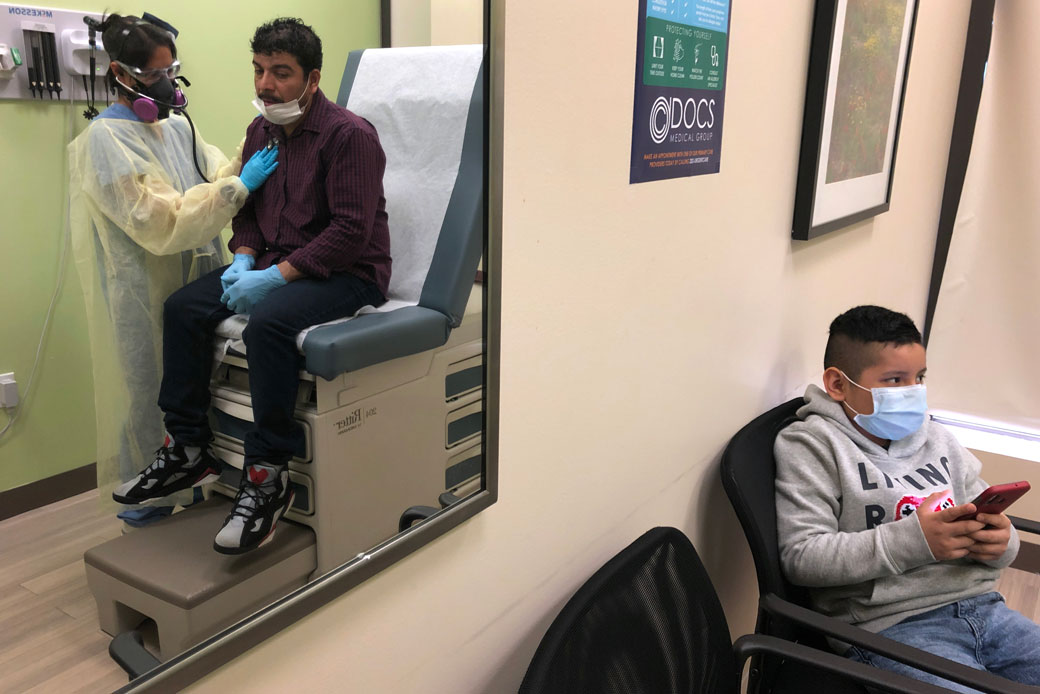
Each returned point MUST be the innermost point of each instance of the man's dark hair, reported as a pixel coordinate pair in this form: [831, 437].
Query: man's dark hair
[857, 335]
[132, 40]
[289, 35]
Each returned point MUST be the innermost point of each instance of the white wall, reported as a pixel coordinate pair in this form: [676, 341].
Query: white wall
[986, 312]
[642, 325]
[410, 23]
[455, 22]
[436, 22]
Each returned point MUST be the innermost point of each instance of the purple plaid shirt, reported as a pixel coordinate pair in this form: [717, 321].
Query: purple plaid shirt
[323, 208]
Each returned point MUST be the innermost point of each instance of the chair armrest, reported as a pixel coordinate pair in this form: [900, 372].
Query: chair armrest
[1025, 525]
[915, 657]
[747, 646]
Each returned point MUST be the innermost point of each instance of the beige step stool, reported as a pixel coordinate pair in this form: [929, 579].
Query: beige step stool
[169, 572]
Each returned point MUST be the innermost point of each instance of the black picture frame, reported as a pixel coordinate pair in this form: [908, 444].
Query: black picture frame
[847, 190]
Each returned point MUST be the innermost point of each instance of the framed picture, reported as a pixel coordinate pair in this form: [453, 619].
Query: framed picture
[858, 64]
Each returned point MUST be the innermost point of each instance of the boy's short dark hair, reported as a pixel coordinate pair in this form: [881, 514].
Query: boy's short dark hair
[289, 35]
[857, 335]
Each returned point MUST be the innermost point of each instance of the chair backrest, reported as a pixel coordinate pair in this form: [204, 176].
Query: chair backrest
[748, 472]
[748, 475]
[426, 104]
[648, 621]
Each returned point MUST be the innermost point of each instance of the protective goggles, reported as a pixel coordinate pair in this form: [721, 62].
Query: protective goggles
[149, 76]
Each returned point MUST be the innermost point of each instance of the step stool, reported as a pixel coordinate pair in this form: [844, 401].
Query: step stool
[170, 573]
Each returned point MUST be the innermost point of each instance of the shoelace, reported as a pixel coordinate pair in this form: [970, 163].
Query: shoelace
[162, 456]
[249, 493]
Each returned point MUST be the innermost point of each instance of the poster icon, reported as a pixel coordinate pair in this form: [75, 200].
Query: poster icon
[679, 98]
[659, 47]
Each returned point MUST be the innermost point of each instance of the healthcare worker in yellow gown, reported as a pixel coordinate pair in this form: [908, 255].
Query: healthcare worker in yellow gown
[144, 223]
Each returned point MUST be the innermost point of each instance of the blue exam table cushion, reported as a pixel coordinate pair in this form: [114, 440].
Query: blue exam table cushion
[372, 338]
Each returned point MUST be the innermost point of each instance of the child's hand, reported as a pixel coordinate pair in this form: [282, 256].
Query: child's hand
[991, 542]
[947, 537]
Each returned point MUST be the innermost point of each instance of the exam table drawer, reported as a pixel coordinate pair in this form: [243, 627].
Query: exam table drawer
[463, 467]
[464, 377]
[231, 421]
[463, 424]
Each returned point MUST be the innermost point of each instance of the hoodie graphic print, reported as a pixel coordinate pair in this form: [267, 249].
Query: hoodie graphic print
[846, 517]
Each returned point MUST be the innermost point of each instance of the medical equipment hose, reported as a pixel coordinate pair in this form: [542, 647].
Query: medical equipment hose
[194, 146]
[62, 263]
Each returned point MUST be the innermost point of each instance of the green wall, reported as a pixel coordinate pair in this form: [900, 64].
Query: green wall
[55, 432]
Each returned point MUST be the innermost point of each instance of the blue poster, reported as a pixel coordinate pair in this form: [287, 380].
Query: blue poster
[680, 89]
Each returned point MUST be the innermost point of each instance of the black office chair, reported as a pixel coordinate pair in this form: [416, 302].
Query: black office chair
[649, 622]
[748, 476]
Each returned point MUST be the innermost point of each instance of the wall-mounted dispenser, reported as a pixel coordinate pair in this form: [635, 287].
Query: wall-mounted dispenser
[75, 53]
[47, 54]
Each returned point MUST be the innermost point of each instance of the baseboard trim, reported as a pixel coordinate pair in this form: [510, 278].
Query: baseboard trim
[30, 496]
[1028, 558]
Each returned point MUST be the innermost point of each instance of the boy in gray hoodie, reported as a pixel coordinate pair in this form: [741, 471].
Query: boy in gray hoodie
[868, 493]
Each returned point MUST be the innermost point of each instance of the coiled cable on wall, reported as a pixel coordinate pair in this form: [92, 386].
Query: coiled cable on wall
[62, 265]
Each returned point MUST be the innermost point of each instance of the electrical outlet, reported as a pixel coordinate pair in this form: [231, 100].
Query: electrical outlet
[8, 390]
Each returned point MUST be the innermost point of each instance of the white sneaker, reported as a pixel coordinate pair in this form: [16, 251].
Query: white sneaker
[264, 496]
[176, 467]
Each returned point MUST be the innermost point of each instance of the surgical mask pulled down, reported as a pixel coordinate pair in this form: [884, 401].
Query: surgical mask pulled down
[281, 114]
[898, 411]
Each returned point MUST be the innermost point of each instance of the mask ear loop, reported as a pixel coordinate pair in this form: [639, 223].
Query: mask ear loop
[845, 402]
[306, 86]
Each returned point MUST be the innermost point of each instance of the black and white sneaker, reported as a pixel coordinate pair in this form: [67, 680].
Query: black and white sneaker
[263, 497]
[176, 467]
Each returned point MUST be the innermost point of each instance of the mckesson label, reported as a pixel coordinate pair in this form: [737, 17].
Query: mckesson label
[30, 12]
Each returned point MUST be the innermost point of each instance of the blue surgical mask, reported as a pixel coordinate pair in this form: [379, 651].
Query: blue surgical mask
[898, 411]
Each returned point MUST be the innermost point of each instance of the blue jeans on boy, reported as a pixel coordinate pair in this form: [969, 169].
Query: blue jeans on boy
[190, 316]
[980, 632]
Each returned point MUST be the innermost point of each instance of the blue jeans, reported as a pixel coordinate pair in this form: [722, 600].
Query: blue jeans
[980, 632]
[190, 316]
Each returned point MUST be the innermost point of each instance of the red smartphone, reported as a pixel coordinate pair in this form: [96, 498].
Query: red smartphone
[997, 498]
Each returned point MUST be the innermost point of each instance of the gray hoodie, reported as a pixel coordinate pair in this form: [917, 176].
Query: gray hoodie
[846, 522]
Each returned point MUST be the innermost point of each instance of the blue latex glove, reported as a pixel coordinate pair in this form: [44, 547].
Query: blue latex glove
[251, 288]
[261, 165]
[243, 262]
